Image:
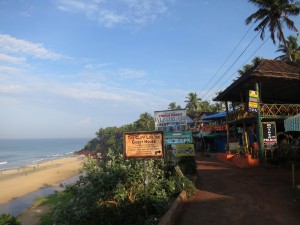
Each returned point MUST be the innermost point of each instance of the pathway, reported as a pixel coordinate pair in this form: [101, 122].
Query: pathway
[232, 196]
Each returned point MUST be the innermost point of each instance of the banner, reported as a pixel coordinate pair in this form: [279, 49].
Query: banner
[170, 120]
[269, 133]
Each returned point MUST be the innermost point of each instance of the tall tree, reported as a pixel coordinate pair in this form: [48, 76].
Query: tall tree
[174, 106]
[192, 103]
[255, 61]
[217, 107]
[274, 14]
[293, 49]
[145, 122]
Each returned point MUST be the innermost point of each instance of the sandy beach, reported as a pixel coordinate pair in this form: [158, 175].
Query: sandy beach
[19, 182]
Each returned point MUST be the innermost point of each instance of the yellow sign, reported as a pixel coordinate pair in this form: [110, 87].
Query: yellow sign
[253, 105]
[185, 150]
[143, 145]
[253, 94]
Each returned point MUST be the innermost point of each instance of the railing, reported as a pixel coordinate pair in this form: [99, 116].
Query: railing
[279, 110]
[272, 111]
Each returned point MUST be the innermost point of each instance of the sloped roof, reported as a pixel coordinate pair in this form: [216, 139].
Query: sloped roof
[279, 83]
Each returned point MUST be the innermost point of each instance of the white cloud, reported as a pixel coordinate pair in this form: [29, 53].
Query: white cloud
[132, 73]
[11, 88]
[110, 14]
[87, 92]
[12, 59]
[10, 44]
[9, 70]
[84, 121]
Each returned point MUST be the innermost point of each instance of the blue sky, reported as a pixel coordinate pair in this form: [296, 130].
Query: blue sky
[69, 67]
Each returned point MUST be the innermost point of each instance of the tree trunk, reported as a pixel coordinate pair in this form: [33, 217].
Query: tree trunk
[284, 42]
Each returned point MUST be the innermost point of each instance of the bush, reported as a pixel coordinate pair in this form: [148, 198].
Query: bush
[6, 219]
[112, 192]
[188, 165]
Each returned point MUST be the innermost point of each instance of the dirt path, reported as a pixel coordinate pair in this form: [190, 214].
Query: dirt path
[229, 195]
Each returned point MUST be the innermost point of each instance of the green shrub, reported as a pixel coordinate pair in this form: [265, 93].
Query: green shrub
[112, 192]
[6, 219]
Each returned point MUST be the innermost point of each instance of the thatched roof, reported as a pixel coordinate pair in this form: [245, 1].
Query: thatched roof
[279, 83]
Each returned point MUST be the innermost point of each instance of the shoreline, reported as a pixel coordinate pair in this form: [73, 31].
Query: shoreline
[18, 182]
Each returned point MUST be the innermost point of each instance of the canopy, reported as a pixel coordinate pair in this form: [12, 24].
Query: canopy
[292, 123]
[215, 116]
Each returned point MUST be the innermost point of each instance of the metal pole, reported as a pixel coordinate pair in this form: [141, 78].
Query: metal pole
[145, 188]
[227, 128]
[293, 175]
[259, 126]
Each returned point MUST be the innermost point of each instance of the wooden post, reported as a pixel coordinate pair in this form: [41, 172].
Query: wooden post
[227, 127]
[259, 126]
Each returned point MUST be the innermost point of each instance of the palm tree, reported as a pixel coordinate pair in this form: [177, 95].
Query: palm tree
[217, 107]
[174, 106]
[255, 61]
[192, 103]
[273, 14]
[145, 122]
[293, 49]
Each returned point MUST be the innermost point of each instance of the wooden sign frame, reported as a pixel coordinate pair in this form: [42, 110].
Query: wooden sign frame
[145, 144]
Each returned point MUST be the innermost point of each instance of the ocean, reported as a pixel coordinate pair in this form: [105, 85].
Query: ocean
[15, 153]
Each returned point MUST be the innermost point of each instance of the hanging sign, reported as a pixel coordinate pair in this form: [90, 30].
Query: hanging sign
[253, 101]
[143, 144]
[269, 133]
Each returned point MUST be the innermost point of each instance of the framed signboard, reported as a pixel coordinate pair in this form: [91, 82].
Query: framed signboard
[269, 133]
[143, 144]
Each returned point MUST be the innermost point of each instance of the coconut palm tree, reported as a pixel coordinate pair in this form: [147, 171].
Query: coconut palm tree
[293, 49]
[255, 61]
[174, 106]
[273, 14]
[192, 103]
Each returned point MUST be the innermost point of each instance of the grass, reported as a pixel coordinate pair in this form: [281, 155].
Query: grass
[58, 197]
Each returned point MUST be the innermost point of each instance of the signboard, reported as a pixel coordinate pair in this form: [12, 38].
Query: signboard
[253, 101]
[170, 120]
[143, 145]
[269, 133]
[185, 150]
[178, 137]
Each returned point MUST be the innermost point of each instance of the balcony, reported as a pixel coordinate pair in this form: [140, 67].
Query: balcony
[268, 111]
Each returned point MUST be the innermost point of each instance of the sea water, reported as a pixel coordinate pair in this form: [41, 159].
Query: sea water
[15, 153]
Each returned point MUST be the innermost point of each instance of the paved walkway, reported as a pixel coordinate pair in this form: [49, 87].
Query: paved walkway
[232, 196]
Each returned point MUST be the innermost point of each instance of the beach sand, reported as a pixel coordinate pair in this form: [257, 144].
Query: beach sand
[19, 182]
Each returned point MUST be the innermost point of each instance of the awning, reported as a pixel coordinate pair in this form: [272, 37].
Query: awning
[215, 116]
[292, 123]
[209, 135]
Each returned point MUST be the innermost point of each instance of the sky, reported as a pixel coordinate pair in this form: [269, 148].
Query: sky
[70, 67]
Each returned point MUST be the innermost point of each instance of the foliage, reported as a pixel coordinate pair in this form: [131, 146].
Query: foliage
[112, 137]
[192, 103]
[52, 200]
[187, 165]
[272, 14]
[112, 192]
[174, 106]
[246, 68]
[293, 49]
[7, 219]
